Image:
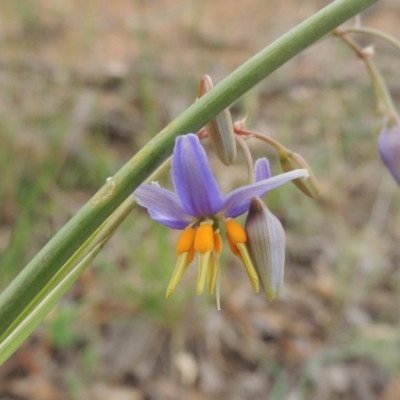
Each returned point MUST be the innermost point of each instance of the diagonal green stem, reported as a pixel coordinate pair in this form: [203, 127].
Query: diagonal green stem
[99, 237]
[35, 316]
[66, 242]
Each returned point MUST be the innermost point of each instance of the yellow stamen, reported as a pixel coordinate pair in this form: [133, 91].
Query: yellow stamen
[185, 241]
[204, 261]
[180, 267]
[237, 239]
[212, 273]
[248, 265]
[185, 255]
[204, 245]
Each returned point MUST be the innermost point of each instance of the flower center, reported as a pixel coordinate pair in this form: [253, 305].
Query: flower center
[213, 221]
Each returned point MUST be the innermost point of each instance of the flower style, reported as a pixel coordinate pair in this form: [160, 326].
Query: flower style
[198, 208]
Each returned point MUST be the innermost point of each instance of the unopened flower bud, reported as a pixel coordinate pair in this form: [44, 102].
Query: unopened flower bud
[220, 129]
[389, 149]
[266, 242]
[290, 161]
[220, 132]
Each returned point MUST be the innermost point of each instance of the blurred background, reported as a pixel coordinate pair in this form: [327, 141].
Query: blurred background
[85, 84]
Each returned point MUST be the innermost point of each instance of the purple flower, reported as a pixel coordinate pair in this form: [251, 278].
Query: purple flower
[389, 149]
[198, 207]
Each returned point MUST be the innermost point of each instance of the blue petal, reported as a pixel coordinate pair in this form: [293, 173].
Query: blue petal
[194, 182]
[237, 202]
[162, 205]
[261, 169]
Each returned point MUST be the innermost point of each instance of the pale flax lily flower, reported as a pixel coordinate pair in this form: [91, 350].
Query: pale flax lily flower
[389, 149]
[198, 208]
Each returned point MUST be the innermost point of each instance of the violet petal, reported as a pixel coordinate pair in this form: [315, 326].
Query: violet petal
[237, 202]
[261, 169]
[162, 205]
[193, 179]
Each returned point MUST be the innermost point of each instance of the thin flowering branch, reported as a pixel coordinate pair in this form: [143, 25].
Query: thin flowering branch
[288, 159]
[384, 100]
[248, 157]
[389, 136]
[239, 130]
[374, 32]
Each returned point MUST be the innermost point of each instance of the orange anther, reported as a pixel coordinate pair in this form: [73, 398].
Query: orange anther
[235, 232]
[217, 242]
[185, 241]
[204, 238]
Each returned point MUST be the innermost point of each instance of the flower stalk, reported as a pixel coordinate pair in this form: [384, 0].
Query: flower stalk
[385, 104]
[373, 32]
[288, 159]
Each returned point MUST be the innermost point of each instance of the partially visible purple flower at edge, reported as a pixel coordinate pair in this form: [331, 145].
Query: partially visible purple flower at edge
[389, 149]
[198, 207]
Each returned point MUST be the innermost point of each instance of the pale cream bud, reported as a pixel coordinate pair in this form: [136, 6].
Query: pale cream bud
[220, 129]
[266, 242]
[220, 132]
[291, 161]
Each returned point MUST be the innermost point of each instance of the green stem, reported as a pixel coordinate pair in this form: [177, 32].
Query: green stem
[100, 236]
[67, 241]
[42, 308]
